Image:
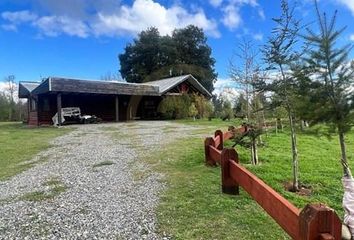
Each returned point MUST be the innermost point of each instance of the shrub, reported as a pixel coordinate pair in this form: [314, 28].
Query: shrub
[175, 107]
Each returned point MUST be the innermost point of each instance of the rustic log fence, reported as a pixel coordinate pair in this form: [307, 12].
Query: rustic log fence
[314, 222]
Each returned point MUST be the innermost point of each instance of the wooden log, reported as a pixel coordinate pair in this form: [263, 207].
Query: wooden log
[228, 184]
[219, 133]
[227, 135]
[207, 143]
[317, 221]
[280, 209]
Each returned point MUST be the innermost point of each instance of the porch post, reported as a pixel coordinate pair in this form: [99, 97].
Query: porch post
[117, 108]
[59, 108]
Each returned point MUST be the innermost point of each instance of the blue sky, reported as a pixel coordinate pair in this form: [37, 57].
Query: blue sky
[82, 38]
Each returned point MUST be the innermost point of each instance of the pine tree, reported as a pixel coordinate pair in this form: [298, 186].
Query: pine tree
[333, 75]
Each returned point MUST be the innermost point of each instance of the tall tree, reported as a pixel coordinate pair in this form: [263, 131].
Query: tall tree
[333, 76]
[281, 56]
[151, 56]
[245, 71]
[10, 88]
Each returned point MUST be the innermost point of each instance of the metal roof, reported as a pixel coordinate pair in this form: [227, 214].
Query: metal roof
[154, 88]
[169, 83]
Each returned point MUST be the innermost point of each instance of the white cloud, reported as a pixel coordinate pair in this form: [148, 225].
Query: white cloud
[146, 13]
[351, 37]
[101, 20]
[258, 36]
[347, 3]
[55, 25]
[9, 27]
[231, 18]
[231, 12]
[224, 83]
[19, 17]
[215, 3]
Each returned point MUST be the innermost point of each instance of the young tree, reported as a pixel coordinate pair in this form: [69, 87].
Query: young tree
[280, 54]
[192, 111]
[10, 88]
[333, 76]
[245, 72]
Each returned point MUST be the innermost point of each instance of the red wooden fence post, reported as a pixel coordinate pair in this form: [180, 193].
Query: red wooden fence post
[317, 221]
[208, 160]
[221, 137]
[228, 185]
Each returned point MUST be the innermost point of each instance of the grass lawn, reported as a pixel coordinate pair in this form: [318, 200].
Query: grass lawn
[18, 143]
[194, 208]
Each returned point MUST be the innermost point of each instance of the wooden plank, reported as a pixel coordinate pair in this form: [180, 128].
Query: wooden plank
[59, 108]
[117, 108]
[216, 141]
[228, 135]
[215, 154]
[280, 209]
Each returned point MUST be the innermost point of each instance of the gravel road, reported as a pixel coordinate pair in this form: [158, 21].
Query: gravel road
[86, 186]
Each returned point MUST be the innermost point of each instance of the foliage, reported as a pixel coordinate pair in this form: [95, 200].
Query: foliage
[281, 54]
[192, 111]
[332, 77]
[175, 107]
[151, 56]
[227, 112]
[204, 107]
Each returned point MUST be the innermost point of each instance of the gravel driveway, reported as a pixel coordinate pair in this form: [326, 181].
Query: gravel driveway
[86, 186]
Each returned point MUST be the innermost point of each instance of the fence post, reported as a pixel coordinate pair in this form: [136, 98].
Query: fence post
[228, 185]
[317, 221]
[208, 160]
[221, 137]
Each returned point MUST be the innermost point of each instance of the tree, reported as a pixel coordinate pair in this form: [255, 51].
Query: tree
[192, 111]
[151, 56]
[10, 88]
[333, 75]
[281, 56]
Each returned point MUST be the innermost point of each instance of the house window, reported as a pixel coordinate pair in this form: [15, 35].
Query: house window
[33, 104]
[46, 107]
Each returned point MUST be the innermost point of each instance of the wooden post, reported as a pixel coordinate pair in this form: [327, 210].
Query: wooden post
[59, 108]
[317, 221]
[228, 185]
[208, 160]
[221, 136]
[117, 108]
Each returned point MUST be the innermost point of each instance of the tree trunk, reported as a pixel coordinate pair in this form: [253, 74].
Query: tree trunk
[344, 160]
[295, 164]
[254, 152]
[276, 126]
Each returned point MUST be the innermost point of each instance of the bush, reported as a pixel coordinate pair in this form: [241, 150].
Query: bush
[175, 107]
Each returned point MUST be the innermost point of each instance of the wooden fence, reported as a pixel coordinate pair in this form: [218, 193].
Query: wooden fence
[314, 222]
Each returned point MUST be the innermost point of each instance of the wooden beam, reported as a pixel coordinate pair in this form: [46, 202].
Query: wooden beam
[59, 108]
[117, 108]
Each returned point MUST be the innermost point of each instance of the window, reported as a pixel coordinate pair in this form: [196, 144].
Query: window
[33, 104]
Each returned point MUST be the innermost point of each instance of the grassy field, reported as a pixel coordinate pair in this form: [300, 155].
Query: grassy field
[18, 143]
[193, 207]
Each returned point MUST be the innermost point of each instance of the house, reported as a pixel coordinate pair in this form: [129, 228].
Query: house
[108, 100]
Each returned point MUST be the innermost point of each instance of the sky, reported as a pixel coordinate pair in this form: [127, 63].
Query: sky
[82, 38]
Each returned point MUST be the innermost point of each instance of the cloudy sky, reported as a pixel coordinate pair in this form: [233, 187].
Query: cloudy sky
[82, 38]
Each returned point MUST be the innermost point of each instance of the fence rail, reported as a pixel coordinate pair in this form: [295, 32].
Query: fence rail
[314, 222]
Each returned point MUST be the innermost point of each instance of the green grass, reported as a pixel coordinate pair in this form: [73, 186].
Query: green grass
[20, 143]
[193, 206]
[56, 188]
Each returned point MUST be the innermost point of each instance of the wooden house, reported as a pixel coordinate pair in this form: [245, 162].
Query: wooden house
[108, 100]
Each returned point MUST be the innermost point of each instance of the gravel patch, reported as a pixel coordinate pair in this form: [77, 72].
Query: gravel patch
[99, 197]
